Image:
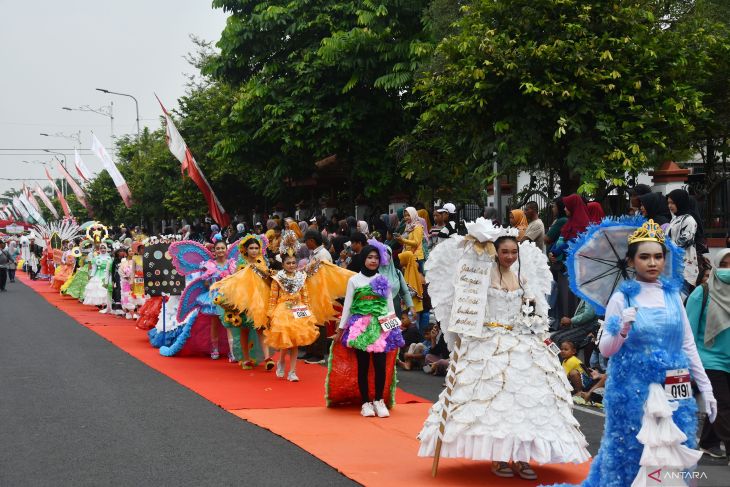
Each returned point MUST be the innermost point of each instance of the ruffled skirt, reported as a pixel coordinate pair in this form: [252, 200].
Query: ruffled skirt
[78, 284]
[96, 294]
[286, 331]
[510, 402]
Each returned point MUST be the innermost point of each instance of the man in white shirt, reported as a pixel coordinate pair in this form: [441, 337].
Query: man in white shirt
[313, 241]
[448, 215]
[535, 228]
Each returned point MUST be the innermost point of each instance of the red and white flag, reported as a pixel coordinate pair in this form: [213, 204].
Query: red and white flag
[59, 195]
[182, 153]
[44, 198]
[81, 169]
[30, 197]
[20, 209]
[111, 168]
[80, 195]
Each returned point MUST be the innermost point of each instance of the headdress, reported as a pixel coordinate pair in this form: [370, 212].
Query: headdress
[648, 232]
[382, 251]
[289, 244]
[244, 241]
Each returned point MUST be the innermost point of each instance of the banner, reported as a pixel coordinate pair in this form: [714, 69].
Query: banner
[20, 209]
[44, 198]
[23, 197]
[182, 153]
[80, 195]
[30, 197]
[59, 195]
[111, 168]
[81, 168]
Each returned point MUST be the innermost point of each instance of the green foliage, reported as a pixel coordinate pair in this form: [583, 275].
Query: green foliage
[592, 90]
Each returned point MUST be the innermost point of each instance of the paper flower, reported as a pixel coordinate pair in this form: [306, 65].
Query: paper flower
[485, 231]
[381, 286]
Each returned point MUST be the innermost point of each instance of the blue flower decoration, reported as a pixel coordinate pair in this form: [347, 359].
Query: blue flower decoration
[381, 286]
[630, 288]
[613, 325]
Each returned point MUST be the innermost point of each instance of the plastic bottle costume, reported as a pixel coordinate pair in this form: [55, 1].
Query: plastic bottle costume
[65, 270]
[97, 290]
[507, 397]
[646, 428]
[77, 287]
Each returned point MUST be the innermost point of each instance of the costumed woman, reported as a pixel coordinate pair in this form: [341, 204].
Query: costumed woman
[77, 284]
[136, 298]
[97, 290]
[651, 416]
[252, 280]
[66, 269]
[507, 397]
[370, 328]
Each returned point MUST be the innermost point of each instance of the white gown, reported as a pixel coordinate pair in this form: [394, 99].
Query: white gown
[511, 399]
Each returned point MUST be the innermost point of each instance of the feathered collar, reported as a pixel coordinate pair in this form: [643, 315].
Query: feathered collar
[291, 284]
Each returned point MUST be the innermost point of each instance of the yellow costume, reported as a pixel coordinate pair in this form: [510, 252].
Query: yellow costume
[246, 291]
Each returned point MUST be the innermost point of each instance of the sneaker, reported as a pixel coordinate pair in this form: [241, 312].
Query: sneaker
[214, 354]
[524, 470]
[380, 409]
[280, 370]
[292, 377]
[502, 469]
[714, 451]
[367, 410]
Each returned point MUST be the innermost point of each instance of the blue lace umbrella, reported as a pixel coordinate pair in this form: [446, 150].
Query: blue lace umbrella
[597, 260]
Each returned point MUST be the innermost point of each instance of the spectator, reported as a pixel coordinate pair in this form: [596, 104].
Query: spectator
[682, 231]
[654, 206]
[14, 252]
[535, 228]
[437, 356]
[415, 353]
[595, 212]
[490, 213]
[518, 220]
[357, 242]
[559, 219]
[314, 242]
[414, 279]
[580, 329]
[413, 236]
[573, 366]
[708, 312]
[5, 260]
[436, 227]
[448, 223]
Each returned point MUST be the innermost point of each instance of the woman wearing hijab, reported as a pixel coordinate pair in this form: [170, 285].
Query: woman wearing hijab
[654, 207]
[578, 220]
[425, 218]
[595, 212]
[362, 227]
[412, 237]
[708, 311]
[683, 232]
[558, 209]
[414, 280]
[398, 285]
[518, 220]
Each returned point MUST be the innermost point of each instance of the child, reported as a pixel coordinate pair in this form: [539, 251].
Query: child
[573, 367]
[437, 355]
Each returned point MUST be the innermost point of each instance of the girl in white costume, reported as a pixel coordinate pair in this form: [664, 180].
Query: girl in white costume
[507, 398]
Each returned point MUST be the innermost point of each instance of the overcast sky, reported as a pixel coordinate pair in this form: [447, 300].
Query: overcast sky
[55, 53]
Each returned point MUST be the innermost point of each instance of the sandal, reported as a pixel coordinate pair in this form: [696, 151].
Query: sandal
[248, 364]
[269, 364]
[502, 469]
[525, 471]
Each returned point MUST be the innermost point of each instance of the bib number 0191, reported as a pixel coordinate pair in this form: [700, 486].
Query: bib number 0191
[677, 384]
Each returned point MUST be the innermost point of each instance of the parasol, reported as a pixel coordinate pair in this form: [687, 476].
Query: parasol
[597, 260]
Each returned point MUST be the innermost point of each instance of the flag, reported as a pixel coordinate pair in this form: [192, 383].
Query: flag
[111, 168]
[35, 214]
[182, 153]
[30, 197]
[18, 205]
[64, 205]
[76, 189]
[81, 168]
[44, 198]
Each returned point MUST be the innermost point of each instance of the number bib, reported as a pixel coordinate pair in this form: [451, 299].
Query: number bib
[552, 347]
[677, 384]
[389, 322]
[139, 280]
[301, 312]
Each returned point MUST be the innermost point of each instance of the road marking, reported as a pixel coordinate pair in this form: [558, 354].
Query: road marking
[589, 411]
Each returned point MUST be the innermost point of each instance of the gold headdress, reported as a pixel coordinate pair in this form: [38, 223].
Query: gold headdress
[248, 238]
[289, 243]
[648, 232]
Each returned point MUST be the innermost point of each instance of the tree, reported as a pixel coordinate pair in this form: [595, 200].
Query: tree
[589, 90]
[313, 79]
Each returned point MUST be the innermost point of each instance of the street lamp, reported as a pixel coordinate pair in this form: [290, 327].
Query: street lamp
[136, 103]
[76, 136]
[107, 111]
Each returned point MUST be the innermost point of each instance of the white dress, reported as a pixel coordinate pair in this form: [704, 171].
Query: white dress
[511, 398]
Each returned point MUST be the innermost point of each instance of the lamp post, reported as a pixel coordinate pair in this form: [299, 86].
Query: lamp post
[136, 103]
[76, 136]
[107, 111]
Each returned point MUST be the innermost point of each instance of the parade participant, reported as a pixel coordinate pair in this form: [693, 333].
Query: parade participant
[708, 310]
[651, 416]
[126, 278]
[507, 397]
[253, 280]
[77, 283]
[66, 269]
[365, 327]
[97, 290]
[214, 271]
[137, 294]
[120, 255]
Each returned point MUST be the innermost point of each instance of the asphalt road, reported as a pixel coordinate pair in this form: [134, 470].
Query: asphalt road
[76, 410]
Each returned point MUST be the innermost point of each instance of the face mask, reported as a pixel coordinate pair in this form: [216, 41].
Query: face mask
[723, 275]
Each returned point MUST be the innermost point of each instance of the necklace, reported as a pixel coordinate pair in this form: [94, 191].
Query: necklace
[291, 284]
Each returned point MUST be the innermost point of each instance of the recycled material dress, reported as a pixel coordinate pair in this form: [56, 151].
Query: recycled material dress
[77, 284]
[97, 290]
[64, 271]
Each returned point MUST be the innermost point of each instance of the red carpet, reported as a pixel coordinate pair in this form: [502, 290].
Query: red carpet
[371, 451]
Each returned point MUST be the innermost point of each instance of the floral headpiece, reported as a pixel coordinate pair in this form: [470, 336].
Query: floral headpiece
[485, 230]
[648, 232]
[382, 251]
[248, 238]
[289, 243]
